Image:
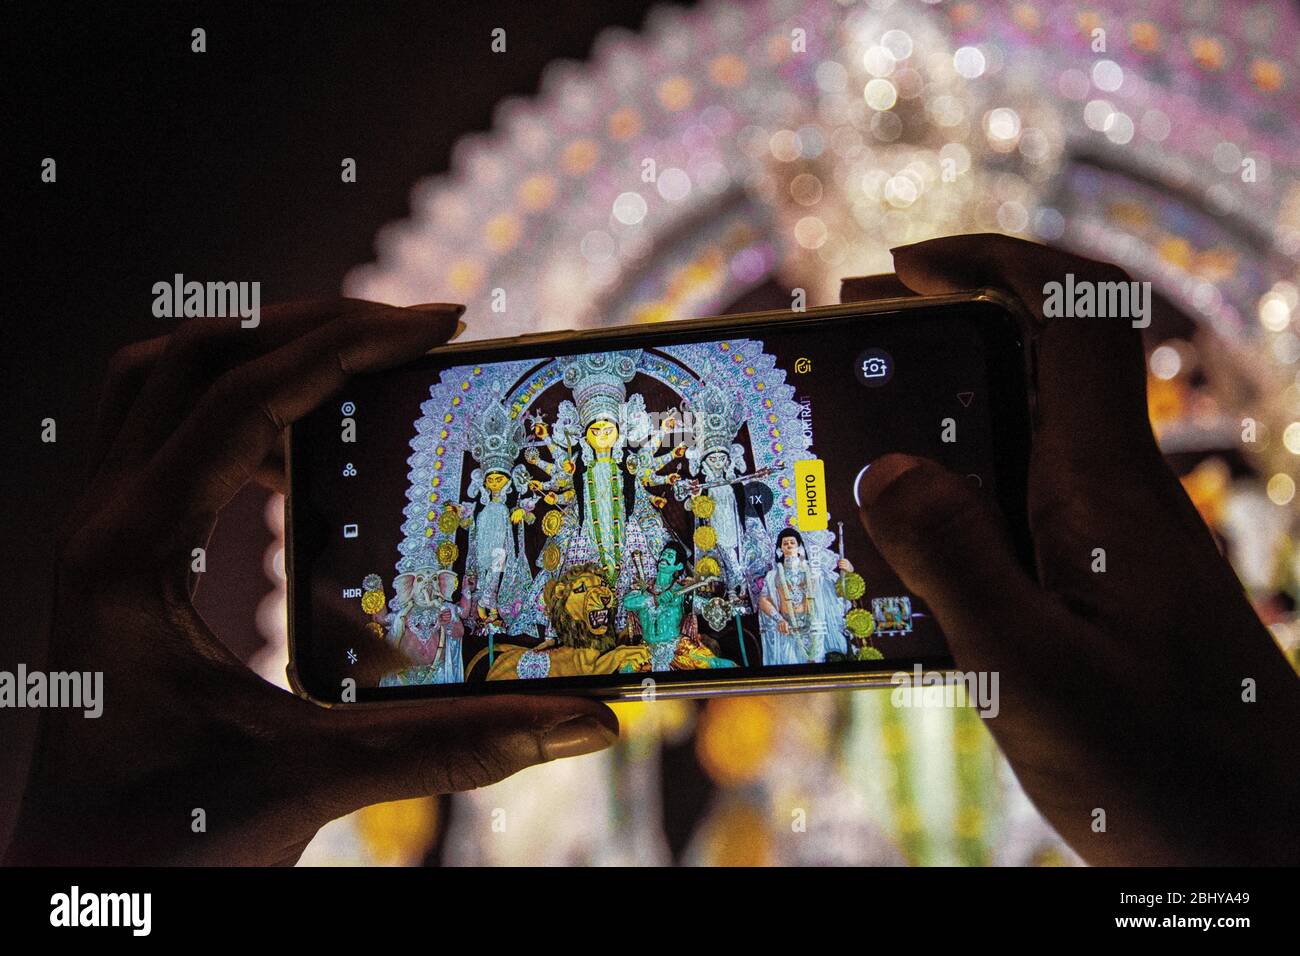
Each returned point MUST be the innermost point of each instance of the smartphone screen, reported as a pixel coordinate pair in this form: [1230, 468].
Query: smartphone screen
[664, 503]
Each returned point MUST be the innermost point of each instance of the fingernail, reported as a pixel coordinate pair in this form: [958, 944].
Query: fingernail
[453, 307]
[573, 738]
[879, 475]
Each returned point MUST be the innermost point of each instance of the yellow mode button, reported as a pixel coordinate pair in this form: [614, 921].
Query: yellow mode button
[810, 511]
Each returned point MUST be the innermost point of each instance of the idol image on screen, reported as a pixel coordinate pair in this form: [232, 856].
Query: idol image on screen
[617, 513]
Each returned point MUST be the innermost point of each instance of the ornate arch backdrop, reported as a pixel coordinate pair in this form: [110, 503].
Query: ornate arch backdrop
[793, 143]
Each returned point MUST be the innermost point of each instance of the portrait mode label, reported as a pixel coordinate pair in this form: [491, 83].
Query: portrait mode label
[810, 491]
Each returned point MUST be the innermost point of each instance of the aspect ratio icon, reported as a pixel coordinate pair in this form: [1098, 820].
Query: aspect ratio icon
[874, 368]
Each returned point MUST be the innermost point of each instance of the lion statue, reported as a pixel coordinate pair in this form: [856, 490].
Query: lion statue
[580, 606]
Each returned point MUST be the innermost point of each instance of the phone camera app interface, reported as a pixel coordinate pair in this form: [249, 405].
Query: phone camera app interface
[680, 508]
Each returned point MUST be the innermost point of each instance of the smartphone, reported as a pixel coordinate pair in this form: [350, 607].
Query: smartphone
[664, 509]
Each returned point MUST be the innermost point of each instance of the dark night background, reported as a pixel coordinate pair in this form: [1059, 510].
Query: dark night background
[226, 165]
[221, 165]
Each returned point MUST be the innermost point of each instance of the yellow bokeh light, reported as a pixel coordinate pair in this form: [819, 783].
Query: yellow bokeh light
[464, 276]
[501, 232]
[1291, 438]
[728, 70]
[399, 832]
[675, 93]
[579, 156]
[1281, 489]
[735, 739]
[624, 124]
[537, 192]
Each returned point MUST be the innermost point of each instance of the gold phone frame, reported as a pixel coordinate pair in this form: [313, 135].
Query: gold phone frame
[636, 688]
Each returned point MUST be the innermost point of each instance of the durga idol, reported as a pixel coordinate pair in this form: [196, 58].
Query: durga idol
[609, 421]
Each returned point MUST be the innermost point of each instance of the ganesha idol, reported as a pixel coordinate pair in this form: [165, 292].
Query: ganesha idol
[426, 627]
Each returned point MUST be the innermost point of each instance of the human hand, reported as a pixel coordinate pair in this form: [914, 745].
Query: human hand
[1120, 691]
[186, 419]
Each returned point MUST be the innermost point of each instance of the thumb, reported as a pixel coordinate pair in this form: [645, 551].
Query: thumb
[950, 547]
[448, 746]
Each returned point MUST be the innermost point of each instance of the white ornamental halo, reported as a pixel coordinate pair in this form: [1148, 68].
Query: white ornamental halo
[798, 162]
[742, 369]
[891, 124]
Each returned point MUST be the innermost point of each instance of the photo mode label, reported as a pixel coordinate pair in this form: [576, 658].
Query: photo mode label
[810, 488]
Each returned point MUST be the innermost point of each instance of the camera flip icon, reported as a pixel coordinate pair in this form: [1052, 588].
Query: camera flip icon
[874, 368]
